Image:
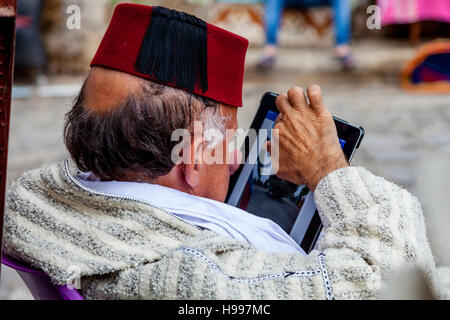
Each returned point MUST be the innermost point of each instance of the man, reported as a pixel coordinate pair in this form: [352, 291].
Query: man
[134, 224]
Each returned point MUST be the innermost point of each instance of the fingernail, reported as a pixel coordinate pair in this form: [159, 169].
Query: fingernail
[314, 88]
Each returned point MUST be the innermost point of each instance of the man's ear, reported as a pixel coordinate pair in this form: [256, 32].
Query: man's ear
[192, 164]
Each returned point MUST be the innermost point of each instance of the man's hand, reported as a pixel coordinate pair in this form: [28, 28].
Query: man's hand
[309, 147]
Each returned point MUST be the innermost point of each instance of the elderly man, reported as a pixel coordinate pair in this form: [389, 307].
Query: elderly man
[133, 224]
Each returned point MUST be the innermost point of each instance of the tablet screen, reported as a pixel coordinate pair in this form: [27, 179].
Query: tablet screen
[255, 189]
[267, 196]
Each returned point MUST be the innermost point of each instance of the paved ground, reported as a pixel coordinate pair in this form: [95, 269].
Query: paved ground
[406, 134]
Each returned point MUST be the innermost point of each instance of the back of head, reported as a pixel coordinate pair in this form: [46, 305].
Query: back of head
[120, 126]
[142, 88]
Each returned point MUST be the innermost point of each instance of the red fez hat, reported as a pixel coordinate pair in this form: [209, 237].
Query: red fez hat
[175, 49]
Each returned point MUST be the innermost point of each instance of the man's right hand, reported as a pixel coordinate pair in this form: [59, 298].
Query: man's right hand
[309, 147]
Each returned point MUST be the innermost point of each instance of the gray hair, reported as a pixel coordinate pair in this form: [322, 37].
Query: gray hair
[134, 137]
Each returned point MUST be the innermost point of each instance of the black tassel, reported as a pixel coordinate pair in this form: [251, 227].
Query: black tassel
[174, 49]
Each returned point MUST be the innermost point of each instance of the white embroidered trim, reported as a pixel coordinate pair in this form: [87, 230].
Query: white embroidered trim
[299, 274]
[325, 277]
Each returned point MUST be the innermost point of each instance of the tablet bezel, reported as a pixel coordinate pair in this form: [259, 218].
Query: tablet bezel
[351, 134]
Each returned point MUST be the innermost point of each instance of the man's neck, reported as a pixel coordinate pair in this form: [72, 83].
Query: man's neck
[174, 180]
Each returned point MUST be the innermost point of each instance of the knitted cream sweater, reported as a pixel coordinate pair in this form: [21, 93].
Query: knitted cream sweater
[125, 249]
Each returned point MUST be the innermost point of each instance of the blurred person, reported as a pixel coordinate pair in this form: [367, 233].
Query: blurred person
[342, 28]
[30, 58]
[137, 225]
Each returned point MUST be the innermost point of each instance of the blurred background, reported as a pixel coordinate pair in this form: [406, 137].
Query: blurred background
[385, 68]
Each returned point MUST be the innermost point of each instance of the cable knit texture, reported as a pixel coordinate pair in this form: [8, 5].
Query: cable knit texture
[126, 249]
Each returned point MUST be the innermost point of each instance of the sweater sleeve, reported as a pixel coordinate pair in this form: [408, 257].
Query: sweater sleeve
[371, 227]
[376, 220]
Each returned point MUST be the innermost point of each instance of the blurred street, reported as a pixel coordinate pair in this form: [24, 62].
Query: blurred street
[402, 129]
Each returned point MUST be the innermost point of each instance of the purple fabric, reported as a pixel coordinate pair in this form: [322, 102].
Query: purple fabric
[39, 283]
[435, 67]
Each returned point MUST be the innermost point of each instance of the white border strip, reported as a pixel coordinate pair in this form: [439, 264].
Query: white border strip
[301, 274]
[325, 277]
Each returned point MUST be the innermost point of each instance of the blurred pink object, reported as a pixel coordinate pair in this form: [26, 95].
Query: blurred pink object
[410, 11]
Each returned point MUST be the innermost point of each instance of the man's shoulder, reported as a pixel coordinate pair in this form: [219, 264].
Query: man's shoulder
[52, 222]
[32, 180]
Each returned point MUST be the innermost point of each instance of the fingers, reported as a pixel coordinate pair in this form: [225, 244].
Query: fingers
[283, 104]
[315, 98]
[278, 119]
[297, 98]
[294, 99]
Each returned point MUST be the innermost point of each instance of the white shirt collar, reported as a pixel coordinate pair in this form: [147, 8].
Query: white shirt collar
[219, 217]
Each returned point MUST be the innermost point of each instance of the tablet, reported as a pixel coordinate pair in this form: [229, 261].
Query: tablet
[257, 190]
